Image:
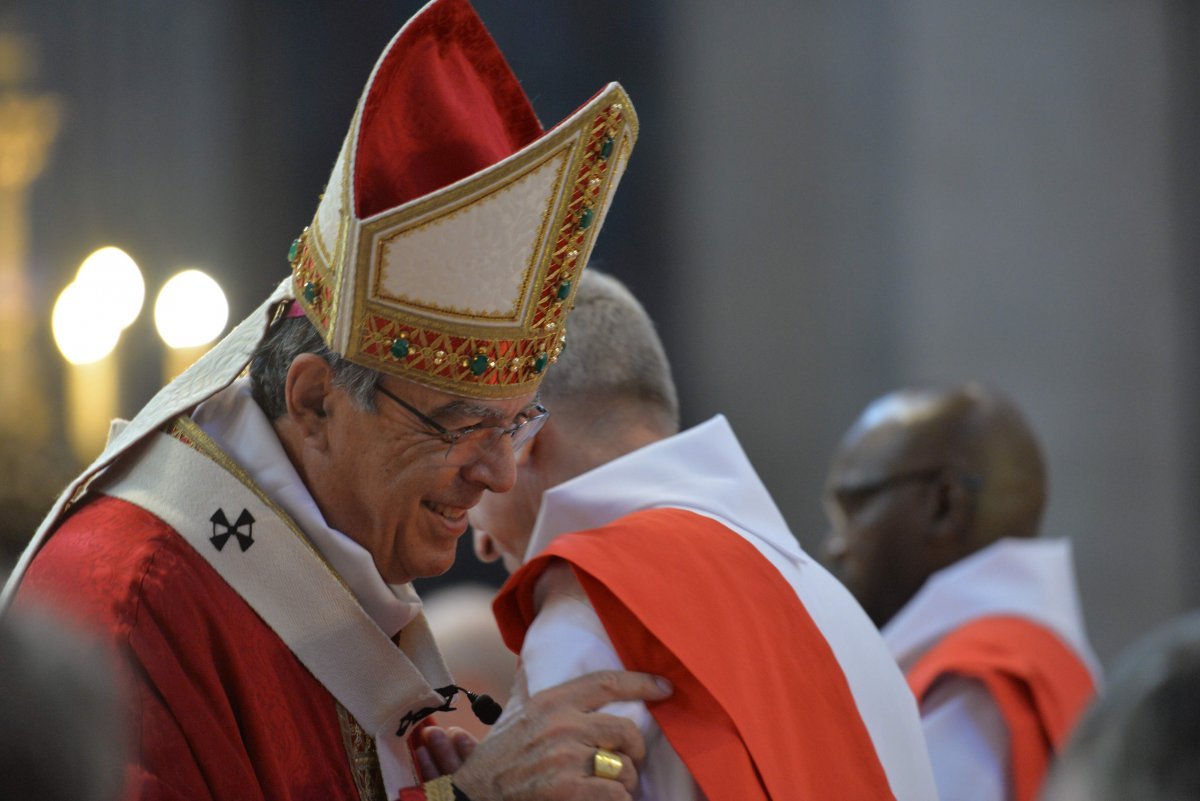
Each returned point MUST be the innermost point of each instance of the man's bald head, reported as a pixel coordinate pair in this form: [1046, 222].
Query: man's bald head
[610, 394]
[924, 478]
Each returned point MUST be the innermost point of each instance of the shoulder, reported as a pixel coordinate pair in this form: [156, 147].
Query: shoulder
[650, 531]
[1005, 651]
[108, 559]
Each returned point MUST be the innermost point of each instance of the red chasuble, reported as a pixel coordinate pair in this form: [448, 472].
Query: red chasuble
[221, 709]
[1039, 684]
[761, 708]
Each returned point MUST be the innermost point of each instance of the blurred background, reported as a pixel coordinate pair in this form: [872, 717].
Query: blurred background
[828, 200]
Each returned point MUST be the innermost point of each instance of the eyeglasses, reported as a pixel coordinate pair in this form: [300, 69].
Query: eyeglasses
[473, 441]
[850, 498]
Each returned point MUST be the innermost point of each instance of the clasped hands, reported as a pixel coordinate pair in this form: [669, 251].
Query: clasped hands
[556, 747]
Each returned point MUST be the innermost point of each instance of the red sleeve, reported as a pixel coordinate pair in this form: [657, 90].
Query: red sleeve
[218, 706]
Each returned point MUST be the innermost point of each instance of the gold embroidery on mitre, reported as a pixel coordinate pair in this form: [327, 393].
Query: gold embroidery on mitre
[481, 353]
[319, 268]
[329, 255]
[456, 209]
[313, 286]
[482, 360]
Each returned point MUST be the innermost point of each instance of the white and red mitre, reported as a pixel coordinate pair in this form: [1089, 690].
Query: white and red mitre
[449, 241]
[448, 244]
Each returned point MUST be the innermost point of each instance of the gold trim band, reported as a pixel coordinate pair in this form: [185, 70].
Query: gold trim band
[440, 789]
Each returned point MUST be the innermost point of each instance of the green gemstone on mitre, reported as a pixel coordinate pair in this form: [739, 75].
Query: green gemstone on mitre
[310, 292]
[479, 364]
[606, 147]
[294, 250]
[399, 348]
[585, 218]
[539, 363]
[564, 289]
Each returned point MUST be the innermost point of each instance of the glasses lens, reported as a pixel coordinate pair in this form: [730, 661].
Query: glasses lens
[477, 442]
[528, 428]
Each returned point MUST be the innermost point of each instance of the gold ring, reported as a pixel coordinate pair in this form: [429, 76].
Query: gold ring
[606, 764]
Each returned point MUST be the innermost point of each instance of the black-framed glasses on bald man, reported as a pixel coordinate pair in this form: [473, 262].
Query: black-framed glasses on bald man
[852, 496]
[470, 442]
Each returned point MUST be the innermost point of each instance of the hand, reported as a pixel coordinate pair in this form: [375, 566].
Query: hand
[443, 750]
[545, 751]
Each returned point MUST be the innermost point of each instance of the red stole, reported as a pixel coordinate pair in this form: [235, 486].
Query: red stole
[1039, 684]
[761, 708]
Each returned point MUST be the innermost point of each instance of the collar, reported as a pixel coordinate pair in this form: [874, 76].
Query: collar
[1030, 578]
[703, 469]
[238, 425]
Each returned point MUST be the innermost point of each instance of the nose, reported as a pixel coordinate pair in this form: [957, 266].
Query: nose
[494, 468]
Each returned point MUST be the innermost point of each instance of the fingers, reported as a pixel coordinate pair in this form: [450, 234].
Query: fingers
[445, 750]
[613, 733]
[425, 765]
[590, 692]
[546, 750]
[464, 742]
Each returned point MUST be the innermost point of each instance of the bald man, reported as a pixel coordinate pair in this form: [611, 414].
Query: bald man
[935, 499]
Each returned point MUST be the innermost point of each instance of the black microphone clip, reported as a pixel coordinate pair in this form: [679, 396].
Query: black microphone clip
[483, 705]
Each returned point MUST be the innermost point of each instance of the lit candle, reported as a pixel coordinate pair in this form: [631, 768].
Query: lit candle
[105, 297]
[90, 384]
[190, 312]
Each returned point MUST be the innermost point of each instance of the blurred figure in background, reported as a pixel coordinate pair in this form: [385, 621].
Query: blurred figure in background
[1141, 738]
[460, 617]
[62, 730]
[646, 547]
[934, 499]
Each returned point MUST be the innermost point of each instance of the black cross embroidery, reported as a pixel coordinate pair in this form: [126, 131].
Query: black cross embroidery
[222, 529]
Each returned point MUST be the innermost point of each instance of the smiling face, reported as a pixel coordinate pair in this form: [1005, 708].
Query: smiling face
[384, 478]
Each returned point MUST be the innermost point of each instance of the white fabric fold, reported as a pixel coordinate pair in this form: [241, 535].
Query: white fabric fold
[1030, 578]
[235, 422]
[719, 482]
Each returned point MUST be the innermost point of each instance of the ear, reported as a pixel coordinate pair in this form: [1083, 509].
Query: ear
[307, 390]
[952, 513]
[485, 547]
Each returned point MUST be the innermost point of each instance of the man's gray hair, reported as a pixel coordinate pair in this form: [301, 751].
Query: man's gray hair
[612, 354]
[286, 340]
